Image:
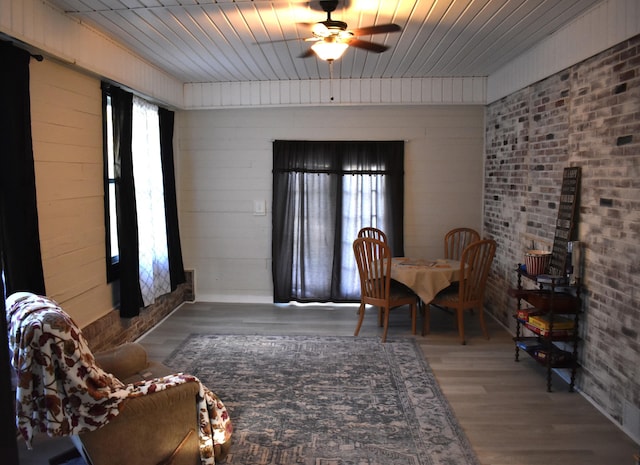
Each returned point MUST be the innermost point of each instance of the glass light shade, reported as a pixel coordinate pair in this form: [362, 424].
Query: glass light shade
[329, 51]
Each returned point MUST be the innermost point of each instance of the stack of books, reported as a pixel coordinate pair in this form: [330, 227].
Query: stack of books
[529, 344]
[524, 313]
[557, 356]
[562, 326]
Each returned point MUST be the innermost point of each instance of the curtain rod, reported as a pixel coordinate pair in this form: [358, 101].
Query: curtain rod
[21, 45]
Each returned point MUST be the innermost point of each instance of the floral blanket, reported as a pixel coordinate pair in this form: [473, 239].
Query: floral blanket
[62, 391]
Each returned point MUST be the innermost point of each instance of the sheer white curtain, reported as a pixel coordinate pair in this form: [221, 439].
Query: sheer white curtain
[147, 173]
[363, 204]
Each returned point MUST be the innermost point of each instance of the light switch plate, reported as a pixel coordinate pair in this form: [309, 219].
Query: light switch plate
[259, 207]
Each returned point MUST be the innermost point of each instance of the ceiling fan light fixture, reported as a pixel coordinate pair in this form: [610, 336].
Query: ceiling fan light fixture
[320, 30]
[329, 50]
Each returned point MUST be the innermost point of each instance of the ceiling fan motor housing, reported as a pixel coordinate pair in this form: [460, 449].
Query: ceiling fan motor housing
[329, 5]
[331, 24]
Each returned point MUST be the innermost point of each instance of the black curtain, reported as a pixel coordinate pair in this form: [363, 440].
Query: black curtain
[176, 266]
[21, 257]
[310, 238]
[8, 442]
[130, 295]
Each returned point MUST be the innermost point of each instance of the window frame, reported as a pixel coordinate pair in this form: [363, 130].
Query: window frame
[112, 261]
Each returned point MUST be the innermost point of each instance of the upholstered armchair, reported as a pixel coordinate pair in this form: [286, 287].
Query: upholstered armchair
[164, 421]
[117, 406]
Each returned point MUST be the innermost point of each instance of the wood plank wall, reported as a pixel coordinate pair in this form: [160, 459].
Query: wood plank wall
[224, 166]
[410, 91]
[55, 34]
[66, 112]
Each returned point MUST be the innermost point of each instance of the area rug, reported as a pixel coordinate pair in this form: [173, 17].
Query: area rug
[327, 400]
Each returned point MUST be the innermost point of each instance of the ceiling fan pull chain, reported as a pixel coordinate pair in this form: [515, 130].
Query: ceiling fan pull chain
[331, 79]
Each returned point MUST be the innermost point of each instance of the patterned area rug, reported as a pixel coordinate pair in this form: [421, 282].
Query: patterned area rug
[327, 400]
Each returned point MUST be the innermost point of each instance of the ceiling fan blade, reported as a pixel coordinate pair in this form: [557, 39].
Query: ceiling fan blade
[308, 53]
[379, 29]
[369, 46]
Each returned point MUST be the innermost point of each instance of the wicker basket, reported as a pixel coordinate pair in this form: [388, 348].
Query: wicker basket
[537, 261]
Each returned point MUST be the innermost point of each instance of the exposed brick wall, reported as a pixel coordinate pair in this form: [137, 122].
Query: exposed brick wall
[587, 116]
[112, 331]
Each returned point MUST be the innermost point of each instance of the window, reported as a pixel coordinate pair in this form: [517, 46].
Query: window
[323, 193]
[111, 219]
[139, 129]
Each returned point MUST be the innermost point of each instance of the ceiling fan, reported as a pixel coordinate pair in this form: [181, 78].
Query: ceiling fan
[332, 38]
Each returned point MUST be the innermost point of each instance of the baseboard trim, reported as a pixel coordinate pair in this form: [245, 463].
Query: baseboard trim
[240, 299]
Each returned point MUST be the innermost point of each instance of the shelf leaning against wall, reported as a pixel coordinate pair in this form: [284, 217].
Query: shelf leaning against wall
[547, 318]
[547, 324]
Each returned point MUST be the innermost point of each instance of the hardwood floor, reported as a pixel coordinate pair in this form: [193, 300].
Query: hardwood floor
[502, 405]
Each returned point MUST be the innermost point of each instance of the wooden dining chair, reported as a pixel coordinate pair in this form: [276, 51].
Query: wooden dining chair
[456, 240]
[373, 258]
[474, 270]
[374, 233]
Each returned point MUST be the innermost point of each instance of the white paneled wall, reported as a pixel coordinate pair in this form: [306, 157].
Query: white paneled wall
[604, 26]
[51, 32]
[441, 90]
[224, 163]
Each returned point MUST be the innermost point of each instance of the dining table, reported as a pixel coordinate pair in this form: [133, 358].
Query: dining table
[425, 277]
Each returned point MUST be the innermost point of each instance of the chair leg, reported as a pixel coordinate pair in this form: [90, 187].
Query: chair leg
[385, 311]
[360, 319]
[380, 317]
[414, 317]
[460, 313]
[482, 324]
[426, 320]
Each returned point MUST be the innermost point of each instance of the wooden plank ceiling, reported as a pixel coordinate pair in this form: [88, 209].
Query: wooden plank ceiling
[261, 40]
